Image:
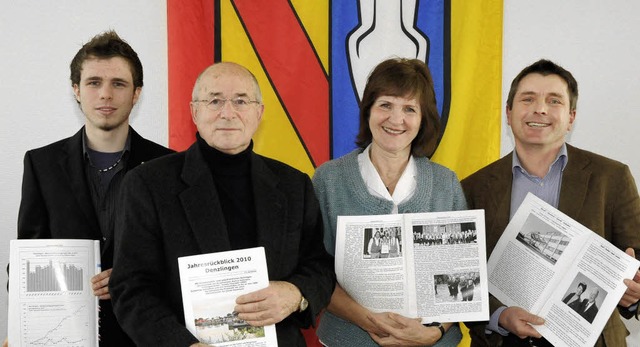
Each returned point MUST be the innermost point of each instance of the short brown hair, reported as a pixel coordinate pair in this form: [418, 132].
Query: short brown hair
[546, 67]
[402, 77]
[104, 46]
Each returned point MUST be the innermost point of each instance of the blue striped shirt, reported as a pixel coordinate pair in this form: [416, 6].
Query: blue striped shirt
[546, 188]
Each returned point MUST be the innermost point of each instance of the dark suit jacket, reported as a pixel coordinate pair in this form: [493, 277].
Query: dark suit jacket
[598, 192]
[56, 201]
[170, 208]
[568, 297]
[575, 305]
[590, 313]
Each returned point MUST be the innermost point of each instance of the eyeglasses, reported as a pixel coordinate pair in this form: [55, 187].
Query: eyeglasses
[240, 104]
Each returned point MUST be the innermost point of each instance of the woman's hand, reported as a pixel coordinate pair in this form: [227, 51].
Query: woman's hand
[398, 330]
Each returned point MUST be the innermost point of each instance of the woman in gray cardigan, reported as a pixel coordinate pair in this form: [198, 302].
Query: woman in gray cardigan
[389, 173]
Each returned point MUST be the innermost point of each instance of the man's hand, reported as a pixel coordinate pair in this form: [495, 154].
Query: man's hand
[517, 320]
[100, 285]
[402, 331]
[632, 295]
[269, 305]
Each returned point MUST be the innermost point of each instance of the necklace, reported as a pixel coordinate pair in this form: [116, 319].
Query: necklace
[111, 167]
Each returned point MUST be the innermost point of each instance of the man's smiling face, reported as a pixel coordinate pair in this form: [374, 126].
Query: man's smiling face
[541, 115]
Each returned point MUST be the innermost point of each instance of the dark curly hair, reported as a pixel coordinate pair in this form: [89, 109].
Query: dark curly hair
[104, 46]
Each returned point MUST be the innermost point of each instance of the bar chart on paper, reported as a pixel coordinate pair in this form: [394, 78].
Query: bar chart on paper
[53, 277]
[50, 299]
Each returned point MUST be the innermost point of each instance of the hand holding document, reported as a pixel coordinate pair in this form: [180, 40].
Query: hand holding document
[211, 283]
[552, 266]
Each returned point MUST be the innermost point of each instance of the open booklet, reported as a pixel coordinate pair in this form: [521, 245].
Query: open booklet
[51, 302]
[554, 267]
[211, 283]
[427, 265]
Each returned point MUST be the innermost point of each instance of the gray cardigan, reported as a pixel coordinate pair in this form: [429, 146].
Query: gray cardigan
[341, 190]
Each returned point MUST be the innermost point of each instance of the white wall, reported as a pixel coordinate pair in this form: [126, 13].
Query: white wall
[595, 40]
[37, 42]
[598, 42]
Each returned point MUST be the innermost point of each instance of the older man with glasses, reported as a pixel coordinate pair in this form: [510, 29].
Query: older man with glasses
[217, 196]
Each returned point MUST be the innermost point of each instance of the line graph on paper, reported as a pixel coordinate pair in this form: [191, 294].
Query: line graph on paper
[57, 325]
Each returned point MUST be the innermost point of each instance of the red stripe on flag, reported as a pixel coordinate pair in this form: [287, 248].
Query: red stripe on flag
[293, 68]
[190, 26]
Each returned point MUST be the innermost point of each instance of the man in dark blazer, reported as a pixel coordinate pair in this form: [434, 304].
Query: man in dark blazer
[589, 308]
[69, 188]
[217, 196]
[598, 192]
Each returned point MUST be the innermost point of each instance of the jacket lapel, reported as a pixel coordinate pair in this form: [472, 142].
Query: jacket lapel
[201, 204]
[72, 164]
[499, 191]
[134, 159]
[575, 179]
[136, 151]
[271, 218]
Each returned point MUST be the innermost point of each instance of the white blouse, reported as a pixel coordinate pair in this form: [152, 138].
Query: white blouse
[404, 188]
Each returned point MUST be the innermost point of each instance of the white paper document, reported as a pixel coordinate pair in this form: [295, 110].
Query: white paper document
[211, 283]
[554, 267]
[426, 265]
[51, 302]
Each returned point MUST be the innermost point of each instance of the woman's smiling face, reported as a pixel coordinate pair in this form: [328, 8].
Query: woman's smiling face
[394, 123]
